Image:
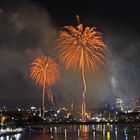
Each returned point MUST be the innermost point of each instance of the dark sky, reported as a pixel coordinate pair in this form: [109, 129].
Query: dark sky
[29, 28]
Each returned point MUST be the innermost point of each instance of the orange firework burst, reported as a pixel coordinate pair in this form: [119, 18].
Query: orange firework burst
[81, 48]
[45, 72]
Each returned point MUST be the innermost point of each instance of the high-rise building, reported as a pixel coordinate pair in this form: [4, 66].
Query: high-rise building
[133, 104]
[119, 104]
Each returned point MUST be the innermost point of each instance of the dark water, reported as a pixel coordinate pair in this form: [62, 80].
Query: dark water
[83, 132]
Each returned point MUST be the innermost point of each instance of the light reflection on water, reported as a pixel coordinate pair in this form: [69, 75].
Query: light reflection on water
[81, 132]
[11, 137]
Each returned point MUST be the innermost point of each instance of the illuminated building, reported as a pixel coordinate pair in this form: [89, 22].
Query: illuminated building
[119, 104]
[133, 104]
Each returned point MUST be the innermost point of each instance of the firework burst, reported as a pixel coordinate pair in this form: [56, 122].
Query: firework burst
[44, 71]
[83, 49]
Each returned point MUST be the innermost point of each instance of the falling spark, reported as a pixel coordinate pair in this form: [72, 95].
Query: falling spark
[51, 96]
[83, 49]
[44, 71]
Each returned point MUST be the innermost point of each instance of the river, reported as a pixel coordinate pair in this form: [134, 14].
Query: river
[80, 132]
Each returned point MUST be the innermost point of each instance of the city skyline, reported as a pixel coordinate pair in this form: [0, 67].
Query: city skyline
[29, 28]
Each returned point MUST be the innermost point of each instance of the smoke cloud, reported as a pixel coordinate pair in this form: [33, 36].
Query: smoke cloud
[26, 31]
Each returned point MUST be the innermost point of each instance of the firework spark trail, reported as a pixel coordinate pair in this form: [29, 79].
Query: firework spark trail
[51, 97]
[44, 71]
[83, 49]
[83, 95]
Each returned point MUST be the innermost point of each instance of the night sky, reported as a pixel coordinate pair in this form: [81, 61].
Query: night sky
[29, 28]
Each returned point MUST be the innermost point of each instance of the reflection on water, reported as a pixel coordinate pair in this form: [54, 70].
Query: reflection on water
[80, 132]
[108, 135]
[84, 128]
[116, 133]
[12, 137]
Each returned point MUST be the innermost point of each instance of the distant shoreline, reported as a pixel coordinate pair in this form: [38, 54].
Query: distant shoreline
[10, 133]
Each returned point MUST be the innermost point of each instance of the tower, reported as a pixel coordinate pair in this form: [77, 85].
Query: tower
[119, 104]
